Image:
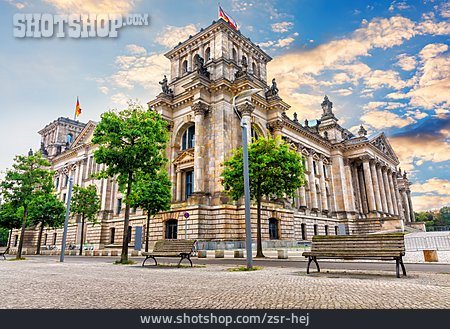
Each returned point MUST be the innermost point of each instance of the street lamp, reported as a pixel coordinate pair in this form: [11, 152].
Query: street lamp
[248, 228]
[66, 221]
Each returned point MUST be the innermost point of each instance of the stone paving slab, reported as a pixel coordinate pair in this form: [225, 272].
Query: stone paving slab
[46, 283]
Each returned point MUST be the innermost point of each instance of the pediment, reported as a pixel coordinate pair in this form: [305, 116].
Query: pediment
[85, 135]
[186, 156]
[381, 142]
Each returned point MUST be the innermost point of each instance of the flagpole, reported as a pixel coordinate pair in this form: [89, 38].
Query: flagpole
[75, 115]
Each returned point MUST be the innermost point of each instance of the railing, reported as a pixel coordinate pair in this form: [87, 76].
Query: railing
[418, 243]
[438, 228]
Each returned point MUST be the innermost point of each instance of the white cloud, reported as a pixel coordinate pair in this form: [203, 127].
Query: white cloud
[433, 185]
[104, 89]
[385, 119]
[135, 49]
[406, 63]
[429, 202]
[385, 105]
[120, 100]
[280, 43]
[282, 27]
[417, 114]
[172, 35]
[93, 6]
[432, 50]
[18, 5]
[398, 5]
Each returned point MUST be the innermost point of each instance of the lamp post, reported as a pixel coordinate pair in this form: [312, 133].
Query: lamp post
[66, 221]
[248, 227]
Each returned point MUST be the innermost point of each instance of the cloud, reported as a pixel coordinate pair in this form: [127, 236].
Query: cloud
[385, 105]
[433, 185]
[398, 5]
[406, 63]
[432, 50]
[280, 43]
[386, 119]
[172, 35]
[18, 5]
[429, 202]
[120, 100]
[93, 6]
[135, 49]
[104, 89]
[282, 27]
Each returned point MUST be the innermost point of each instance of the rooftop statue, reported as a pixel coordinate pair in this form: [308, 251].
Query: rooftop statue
[327, 108]
[200, 66]
[165, 87]
[273, 90]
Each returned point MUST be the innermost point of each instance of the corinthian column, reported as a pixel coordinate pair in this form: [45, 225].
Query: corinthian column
[406, 208]
[398, 204]
[387, 188]
[179, 185]
[376, 187]
[356, 189]
[393, 195]
[312, 183]
[276, 127]
[382, 189]
[369, 184]
[246, 111]
[349, 181]
[200, 110]
[411, 211]
[323, 189]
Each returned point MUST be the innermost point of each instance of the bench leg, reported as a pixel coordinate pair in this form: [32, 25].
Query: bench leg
[317, 264]
[397, 267]
[309, 263]
[310, 259]
[4, 258]
[185, 257]
[403, 266]
[143, 263]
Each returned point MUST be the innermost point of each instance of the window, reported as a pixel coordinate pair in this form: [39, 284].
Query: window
[234, 58]
[130, 229]
[324, 171]
[315, 229]
[189, 183]
[244, 59]
[336, 230]
[171, 229]
[254, 133]
[57, 182]
[188, 139]
[326, 229]
[66, 182]
[45, 239]
[16, 239]
[55, 235]
[119, 206]
[69, 138]
[112, 233]
[133, 210]
[64, 197]
[184, 67]
[315, 167]
[254, 69]
[273, 229]
[304, 236]
[208, 54]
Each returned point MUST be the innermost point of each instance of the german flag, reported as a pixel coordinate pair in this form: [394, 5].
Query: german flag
[77, 109]
[223, 15]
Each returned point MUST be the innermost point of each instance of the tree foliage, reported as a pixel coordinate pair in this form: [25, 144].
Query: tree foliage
[29, 177]
[10, 218]
[85, 203]
[274, 170]
[434, 218]
[131, 143]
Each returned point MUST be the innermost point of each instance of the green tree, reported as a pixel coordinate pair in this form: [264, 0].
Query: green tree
[274, 170]
[9, 220]
[47, 211]
[153, 194]
[29, 177]
[131, 143]
[85, 203]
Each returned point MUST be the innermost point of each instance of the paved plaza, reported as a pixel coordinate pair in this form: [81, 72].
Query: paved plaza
[43, 282]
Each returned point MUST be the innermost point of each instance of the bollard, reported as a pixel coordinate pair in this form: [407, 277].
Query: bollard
[201, 254]
[239, 254]
[282, 254]
[114, 253]
[96, 252]
[219, 254]
[430, 255]
[105, 253]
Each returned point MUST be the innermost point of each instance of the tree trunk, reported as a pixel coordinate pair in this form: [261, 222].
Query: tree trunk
[38, 247]
[22, 233]
[10, 236]
[124, 255]
[147, 231]
[259, 250]
[82, 235]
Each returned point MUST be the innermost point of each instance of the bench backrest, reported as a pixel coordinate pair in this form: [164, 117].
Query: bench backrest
[175, 246]
[357, 244]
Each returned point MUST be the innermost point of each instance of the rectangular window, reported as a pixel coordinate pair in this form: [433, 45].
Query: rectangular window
[16, 240]
[64, 197]
[66, 182]
[119, 206]
[315, 229]
[55, 235]
[304, 236]
[57, 183]
[45, 239]
[191, 136]
[336, 230]
[112, 233]
[189, 183]
[315, 167]
[130, 229]
[326, 229]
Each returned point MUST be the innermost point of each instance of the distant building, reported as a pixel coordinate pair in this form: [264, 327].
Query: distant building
[351, 180]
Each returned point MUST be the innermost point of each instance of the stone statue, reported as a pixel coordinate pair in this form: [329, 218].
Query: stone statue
[295, 117]
[362, 131]
[404, 175]
[165, 87]
[327, 108]
[200, 66]
[273, 91]
[306, 123]
[30, 152]
[244, 63]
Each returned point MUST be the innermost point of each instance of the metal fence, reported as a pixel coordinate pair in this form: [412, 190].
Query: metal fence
[417, 243]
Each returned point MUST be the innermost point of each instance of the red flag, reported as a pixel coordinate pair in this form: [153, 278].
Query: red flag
[77, 109]
[223, 15]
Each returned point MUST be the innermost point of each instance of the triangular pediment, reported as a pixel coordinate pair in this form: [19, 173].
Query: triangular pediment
[381, 142]
[85, 135]
[186, 156]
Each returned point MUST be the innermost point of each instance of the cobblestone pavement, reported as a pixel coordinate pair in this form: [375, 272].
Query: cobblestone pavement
[45, 283]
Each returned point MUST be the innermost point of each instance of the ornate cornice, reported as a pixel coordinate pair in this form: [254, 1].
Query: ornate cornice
[246, 109]
[200, 108]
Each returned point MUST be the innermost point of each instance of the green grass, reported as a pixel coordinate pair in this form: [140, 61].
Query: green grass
[13, 259]
[244, 269]
[181, 266]
[128, 262]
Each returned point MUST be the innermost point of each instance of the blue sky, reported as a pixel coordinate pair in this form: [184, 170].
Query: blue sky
[384, 64]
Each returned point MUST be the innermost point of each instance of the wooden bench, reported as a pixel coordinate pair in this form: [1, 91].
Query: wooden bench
[171, 248]
[372, 246]
[4, 251]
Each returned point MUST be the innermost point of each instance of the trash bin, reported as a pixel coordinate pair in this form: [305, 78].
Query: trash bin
[430, 255]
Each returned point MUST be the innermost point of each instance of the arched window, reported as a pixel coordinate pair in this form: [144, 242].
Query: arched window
[171, 229]
[235, 57]
[254, 133]
[185, 67]
[254, 69]
[187, 141]
[207, 54]
[195, 59]
[244, 59]
[273, 229]
[69, 138]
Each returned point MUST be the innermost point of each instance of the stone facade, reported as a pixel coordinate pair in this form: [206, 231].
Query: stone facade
[351, 180]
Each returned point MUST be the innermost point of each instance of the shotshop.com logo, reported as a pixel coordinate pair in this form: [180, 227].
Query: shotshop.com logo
[73, 25]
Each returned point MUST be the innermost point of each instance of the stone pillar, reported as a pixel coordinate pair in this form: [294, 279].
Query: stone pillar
[356, 189]
[200, 110]
[179, 186]
[349, 180]
[362, 189]
[388, 190]
[406, 208]
[312, 183]
[323, 190]
[369, 185]
[276, 127]
[302, 197]
[376, 187]
[382, 189]
[411, 211]
[392, 192]
[190, 62]
[246, 111]
[398, 205]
